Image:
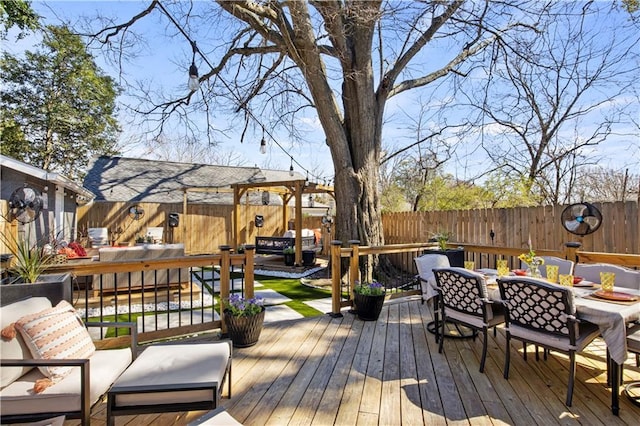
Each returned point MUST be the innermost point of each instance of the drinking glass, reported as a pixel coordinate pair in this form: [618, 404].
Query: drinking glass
[552, 273]
[470, 265]
[566, 280]
[501, 263]
[607, 280]
[503, 271]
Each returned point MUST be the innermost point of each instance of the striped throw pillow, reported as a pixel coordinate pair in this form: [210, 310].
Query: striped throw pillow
[56, 333]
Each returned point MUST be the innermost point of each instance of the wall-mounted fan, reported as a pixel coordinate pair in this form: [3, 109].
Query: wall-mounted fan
[25, 204]
[136, 212]
[581, 218]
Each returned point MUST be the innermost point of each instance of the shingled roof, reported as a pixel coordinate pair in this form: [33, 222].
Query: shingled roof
[134, 179]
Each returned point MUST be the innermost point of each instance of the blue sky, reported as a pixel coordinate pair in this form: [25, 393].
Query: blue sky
[163, 61]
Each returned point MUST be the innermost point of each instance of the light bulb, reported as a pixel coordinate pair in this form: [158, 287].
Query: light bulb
[263, 146]
[291, 170]
[194, 83]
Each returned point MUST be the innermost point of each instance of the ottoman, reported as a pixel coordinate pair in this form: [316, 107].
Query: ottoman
[167, 378]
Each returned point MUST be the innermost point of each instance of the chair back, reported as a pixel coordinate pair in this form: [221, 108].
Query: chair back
[426, 263]
[538, 306]
[462, 290]
[625, 277]
[564, 266]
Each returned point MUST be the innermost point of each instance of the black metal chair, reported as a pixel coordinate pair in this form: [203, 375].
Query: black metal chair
[464, 299]
[544, 314]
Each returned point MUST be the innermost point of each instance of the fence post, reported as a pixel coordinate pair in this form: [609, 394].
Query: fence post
[225, 275]
[335, 278]
[249, 253]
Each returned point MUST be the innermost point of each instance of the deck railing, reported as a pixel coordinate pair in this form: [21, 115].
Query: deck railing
[168, 297]
[347, 266]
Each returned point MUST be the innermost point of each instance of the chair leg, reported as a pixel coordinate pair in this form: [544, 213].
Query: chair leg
[436, 317]
[524, 350]
[484, 348]
[537, 354]
[572, 376]
[507, 355]
[442, 324]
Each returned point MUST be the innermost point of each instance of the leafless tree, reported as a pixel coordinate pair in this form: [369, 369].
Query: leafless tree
[549, 98]
[345, 59]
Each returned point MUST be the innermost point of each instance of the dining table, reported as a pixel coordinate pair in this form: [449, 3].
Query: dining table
[611, 317]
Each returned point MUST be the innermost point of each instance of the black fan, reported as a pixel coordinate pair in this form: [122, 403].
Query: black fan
[136, 212]
[581, 218]
[25, 204]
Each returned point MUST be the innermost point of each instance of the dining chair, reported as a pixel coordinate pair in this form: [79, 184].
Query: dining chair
[425, 265]
[564, 266]
[632, 390]
[625, 277]
[464, 299]
[544, 314]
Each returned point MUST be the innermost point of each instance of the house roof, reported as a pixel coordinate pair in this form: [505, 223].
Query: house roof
[134, 179]
[54, 178]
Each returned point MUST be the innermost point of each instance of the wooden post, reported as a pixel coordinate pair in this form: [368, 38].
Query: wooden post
[354, 267]
[335, 278]
[571, 251]
[299, 187]
[249, 253]
[225, 275]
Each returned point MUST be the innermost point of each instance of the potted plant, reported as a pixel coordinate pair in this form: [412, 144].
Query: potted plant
[244, 319]
[26, 277]
[289, 254]
[369, 298]
[455, 255]
[308, 257]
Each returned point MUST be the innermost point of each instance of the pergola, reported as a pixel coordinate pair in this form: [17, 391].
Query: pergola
[287, 189]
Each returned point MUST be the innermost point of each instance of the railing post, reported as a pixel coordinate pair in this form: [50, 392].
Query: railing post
[225, 275]
[354, 266]
[571, 251]
[249, 256]
[335, 278]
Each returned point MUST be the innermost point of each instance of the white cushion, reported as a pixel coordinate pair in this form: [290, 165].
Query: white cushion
[176, 365]
[105, 366]
[17, 348]
[56, 333]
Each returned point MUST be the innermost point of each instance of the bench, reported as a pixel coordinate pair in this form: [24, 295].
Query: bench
[275, 245]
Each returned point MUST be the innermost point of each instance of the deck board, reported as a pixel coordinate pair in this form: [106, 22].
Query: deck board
[344, 371]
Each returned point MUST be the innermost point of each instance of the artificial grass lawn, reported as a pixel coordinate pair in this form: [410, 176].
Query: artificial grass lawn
[298, 293]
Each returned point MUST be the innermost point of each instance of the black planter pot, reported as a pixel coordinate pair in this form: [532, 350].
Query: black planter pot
[368, 308]
[55, 287]
[289, 259]
[244, 331]
[455, 256]
[308, 257]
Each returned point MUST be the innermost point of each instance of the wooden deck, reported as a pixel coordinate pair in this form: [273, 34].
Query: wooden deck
[344, 371]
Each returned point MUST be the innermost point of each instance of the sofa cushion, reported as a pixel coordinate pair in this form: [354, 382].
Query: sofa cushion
[56, 333]
[105, 366]
[17, 348]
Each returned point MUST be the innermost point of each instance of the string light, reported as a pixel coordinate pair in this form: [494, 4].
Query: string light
[194, 84]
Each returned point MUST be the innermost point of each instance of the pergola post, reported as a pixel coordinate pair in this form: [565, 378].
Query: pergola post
[298, 193]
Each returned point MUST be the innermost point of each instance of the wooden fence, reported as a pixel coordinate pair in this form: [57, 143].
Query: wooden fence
[619, 232]
[203, 229]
